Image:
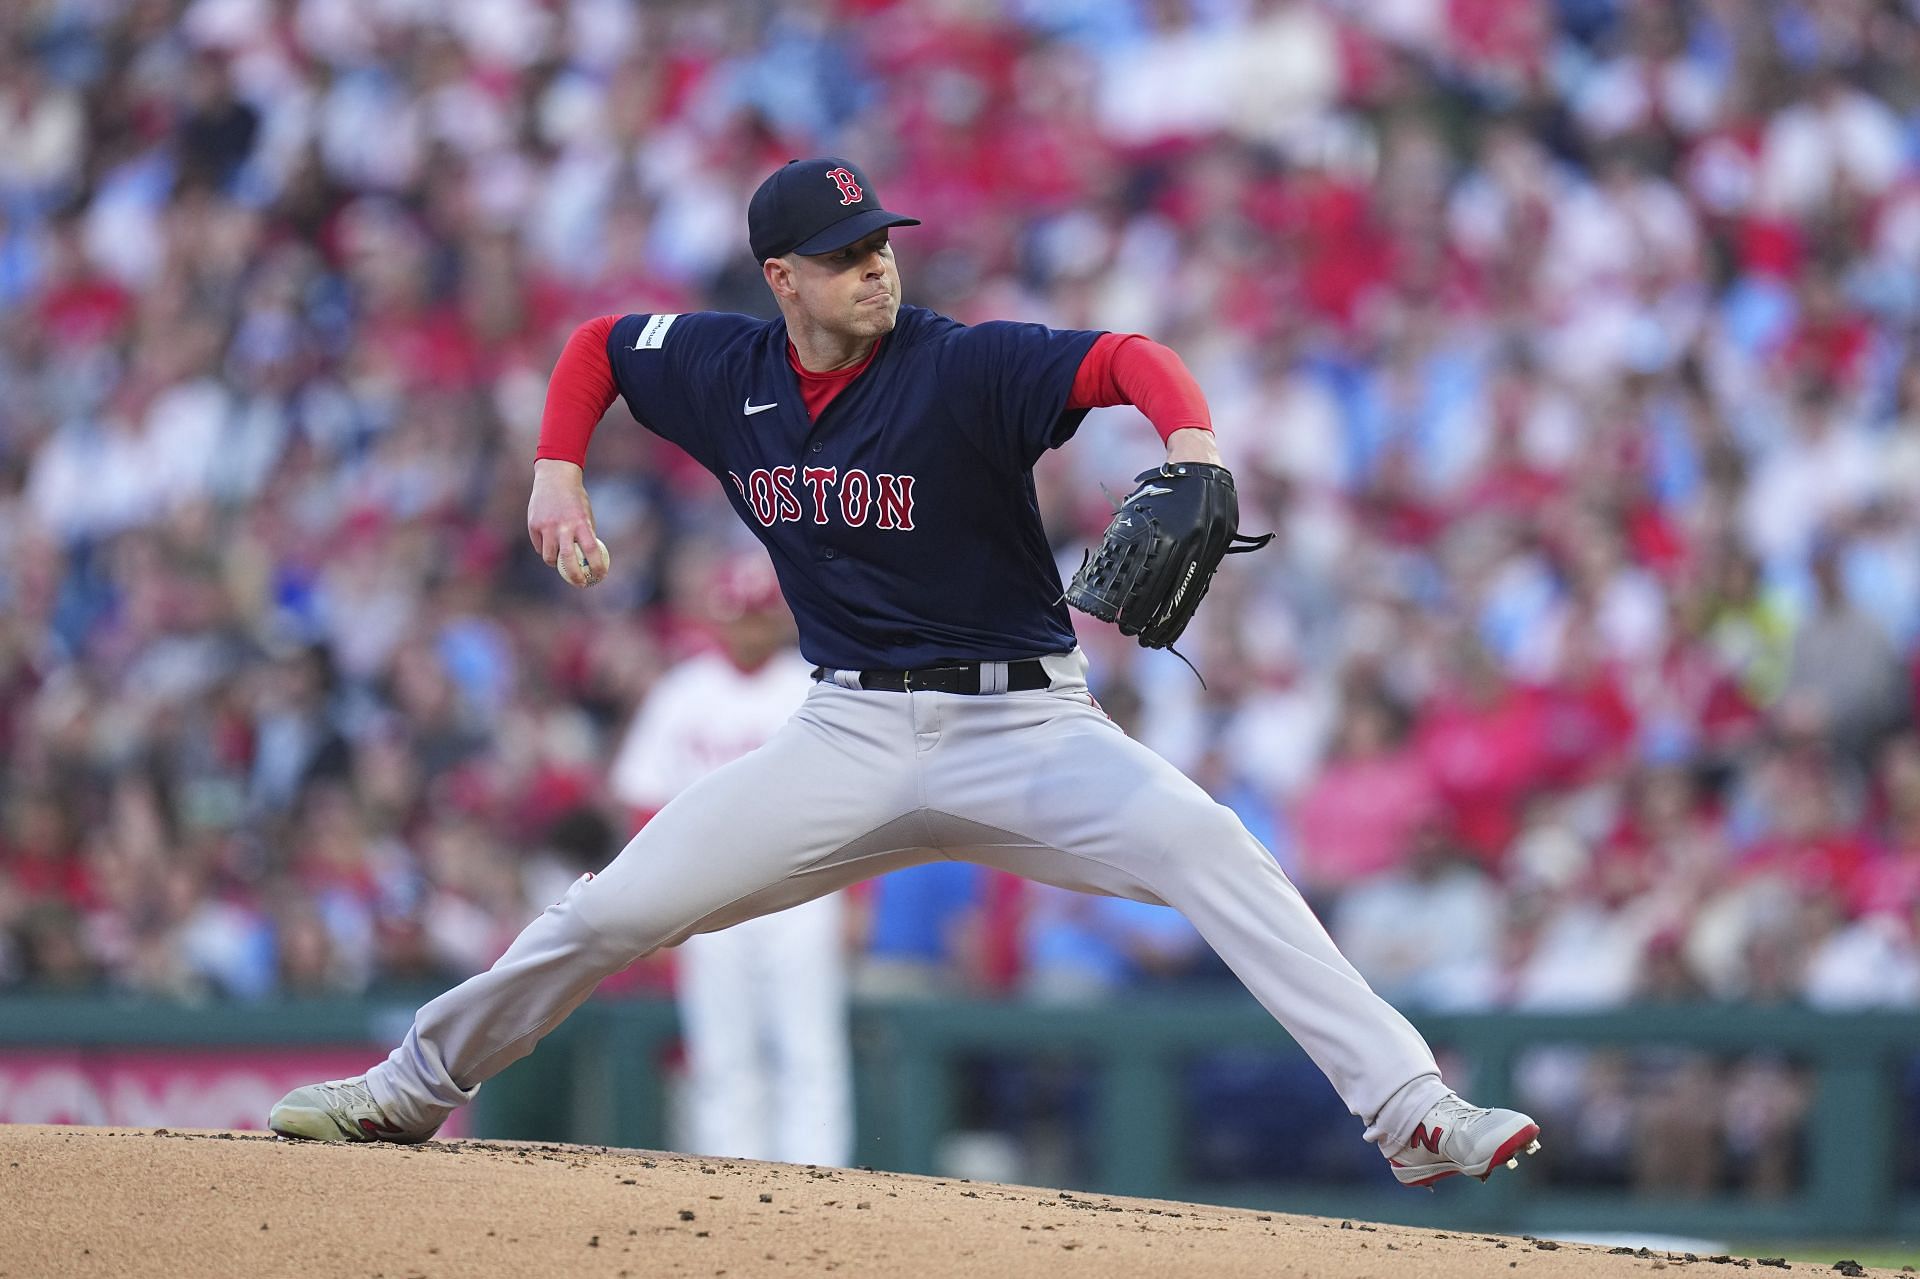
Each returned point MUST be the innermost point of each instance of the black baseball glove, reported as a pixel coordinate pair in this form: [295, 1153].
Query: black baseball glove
[1158, 556]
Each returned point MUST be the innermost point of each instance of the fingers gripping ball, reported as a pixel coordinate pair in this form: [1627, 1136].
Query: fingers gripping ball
[1158, 556]
[580, 567]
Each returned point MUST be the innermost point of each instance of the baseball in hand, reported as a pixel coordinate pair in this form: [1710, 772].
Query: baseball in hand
[573, 565]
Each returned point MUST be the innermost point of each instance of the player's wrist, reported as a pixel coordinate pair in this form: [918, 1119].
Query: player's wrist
[1193, 444]
[557, 467]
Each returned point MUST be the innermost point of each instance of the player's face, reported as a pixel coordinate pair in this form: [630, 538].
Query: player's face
[854, 291]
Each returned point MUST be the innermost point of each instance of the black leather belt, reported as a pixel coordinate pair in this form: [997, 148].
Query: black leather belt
[961, 677]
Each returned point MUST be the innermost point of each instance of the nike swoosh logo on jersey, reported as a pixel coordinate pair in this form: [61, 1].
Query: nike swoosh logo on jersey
[1150, 490]
[750, 408]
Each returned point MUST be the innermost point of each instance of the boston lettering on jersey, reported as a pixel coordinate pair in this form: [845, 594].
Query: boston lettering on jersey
[771, 497]
[903, 523]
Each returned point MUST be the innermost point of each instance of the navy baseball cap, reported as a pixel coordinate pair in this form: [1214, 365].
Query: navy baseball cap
[815, 206]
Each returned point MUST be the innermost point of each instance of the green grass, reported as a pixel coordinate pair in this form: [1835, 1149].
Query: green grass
[1889, 1254]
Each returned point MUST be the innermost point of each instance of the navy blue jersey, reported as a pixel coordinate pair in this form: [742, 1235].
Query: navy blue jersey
[903, 524]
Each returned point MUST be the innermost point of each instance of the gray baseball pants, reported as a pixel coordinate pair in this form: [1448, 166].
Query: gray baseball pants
[861, 782]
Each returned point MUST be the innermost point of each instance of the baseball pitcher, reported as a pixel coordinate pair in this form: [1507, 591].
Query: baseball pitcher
[883, 454]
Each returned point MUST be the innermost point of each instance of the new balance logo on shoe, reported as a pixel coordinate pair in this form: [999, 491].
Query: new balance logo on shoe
[1424, 1136]
[373, 1129]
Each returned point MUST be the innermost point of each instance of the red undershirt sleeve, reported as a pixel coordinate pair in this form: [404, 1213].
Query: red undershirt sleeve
[1126, 368]
[578, 393]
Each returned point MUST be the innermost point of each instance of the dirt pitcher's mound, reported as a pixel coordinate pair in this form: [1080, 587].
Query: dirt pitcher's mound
[117, 1202]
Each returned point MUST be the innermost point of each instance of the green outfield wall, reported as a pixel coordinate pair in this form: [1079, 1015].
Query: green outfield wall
[601, 1080]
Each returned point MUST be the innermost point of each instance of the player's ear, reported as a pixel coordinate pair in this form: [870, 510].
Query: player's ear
[778, 273]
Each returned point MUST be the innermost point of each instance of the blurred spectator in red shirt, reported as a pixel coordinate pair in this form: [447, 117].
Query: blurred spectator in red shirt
[1358, 817]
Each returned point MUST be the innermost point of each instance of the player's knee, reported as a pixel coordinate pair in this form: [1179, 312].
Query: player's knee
[629, 925]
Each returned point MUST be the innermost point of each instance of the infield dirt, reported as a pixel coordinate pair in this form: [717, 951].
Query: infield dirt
[119, 1202]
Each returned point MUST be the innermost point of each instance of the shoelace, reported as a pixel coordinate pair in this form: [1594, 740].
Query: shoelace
[355, 1093]
[1453, 1114]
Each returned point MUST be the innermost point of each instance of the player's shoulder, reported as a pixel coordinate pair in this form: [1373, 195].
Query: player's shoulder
[950, 344]
[697, 332]
[918, 326]
[931, 327]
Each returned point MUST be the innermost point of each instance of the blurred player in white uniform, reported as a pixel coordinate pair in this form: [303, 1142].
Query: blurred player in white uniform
[763, 1005]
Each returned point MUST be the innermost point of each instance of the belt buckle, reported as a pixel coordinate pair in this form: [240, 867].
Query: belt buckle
[906, 681]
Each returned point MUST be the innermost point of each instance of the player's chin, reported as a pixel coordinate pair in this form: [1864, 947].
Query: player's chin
[876, 318]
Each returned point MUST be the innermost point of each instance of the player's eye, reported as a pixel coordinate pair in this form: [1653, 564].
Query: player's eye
[856, 252]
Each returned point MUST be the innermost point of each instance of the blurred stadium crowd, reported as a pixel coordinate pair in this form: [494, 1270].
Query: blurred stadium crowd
[1570, 347]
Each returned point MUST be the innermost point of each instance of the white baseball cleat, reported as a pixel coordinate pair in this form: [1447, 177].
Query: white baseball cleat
[1456, 1138]
[338, 1110]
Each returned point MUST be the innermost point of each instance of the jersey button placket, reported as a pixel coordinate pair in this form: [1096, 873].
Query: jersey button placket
[826, 552]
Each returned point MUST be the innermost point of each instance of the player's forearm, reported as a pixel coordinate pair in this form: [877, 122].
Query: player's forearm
[578, 394]
[1126, 368]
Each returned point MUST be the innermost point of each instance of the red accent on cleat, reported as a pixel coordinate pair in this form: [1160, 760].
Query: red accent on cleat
[1518, 1140]
[1424, 1181]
